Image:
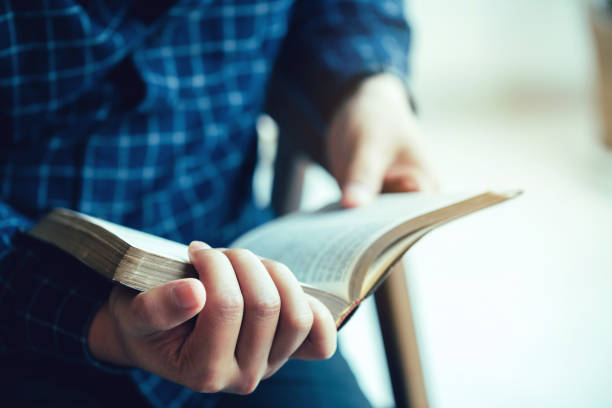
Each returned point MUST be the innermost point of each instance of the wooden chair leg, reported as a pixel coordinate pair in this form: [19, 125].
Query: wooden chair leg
[289, 175]
[399, 337]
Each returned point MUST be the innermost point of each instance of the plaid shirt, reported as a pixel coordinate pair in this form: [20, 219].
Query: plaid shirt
[145, 115]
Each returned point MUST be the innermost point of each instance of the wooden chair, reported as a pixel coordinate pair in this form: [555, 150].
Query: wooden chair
[296, 124]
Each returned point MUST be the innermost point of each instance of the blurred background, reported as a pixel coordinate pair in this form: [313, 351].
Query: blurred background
[512, 306]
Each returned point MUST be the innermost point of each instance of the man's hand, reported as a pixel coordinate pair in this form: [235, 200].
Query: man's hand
[252, 315]
[374, 143]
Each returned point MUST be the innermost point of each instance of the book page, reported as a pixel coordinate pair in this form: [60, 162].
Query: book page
[323, 247]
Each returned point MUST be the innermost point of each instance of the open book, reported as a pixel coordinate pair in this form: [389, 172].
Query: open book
[340, 256]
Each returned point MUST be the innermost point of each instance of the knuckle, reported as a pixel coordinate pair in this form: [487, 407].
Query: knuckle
[265, 308]
[248, 384]
[300, 322]
[207, 384]
[203, 376]
[209, 380]
[229, 307]
[324, 349]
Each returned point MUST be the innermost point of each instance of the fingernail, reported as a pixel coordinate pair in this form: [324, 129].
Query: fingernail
[358, 194]
[197, 246]
[183, 296]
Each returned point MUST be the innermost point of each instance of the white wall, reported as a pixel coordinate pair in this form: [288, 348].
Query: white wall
[514, 304]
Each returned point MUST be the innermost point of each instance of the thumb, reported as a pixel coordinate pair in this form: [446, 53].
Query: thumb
[364, 176]
[166, 306]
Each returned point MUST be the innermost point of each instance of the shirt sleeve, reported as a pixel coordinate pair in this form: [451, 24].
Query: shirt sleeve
[333, 44]
[47, 297]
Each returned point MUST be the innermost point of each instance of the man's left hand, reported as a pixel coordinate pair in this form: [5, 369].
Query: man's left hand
[374, 144]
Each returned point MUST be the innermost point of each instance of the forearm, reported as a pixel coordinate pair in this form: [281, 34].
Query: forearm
[48, 300]
[332, 45]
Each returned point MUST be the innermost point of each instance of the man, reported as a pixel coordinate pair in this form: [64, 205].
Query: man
[145, 115]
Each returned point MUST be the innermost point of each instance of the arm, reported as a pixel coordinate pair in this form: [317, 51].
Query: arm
[346, 63]
[47, 299]
[333, 44]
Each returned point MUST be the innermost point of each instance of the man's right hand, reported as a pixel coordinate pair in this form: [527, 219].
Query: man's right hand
[251, 318]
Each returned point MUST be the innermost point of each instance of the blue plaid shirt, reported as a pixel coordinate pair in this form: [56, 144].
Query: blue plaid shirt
[145, 115]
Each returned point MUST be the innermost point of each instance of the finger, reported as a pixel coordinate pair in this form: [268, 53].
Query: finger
[364, 175]
[295, 319]
[322, 340]
[214, 337]
[414, 163]
[163, 307]
[409, 178]
[261, 312]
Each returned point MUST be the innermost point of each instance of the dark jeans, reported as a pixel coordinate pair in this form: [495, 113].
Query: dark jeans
[33, 381]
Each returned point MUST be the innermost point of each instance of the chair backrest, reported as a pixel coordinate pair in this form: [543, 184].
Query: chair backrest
[300, 141]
